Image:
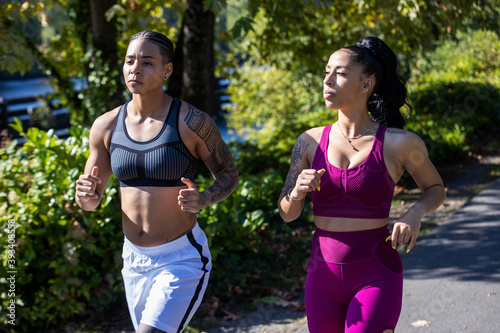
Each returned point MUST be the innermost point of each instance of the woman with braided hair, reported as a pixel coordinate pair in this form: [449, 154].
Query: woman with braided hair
[152, 144]
[355, 275]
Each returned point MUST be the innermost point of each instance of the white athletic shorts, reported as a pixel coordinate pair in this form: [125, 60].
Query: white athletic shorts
[164, 284]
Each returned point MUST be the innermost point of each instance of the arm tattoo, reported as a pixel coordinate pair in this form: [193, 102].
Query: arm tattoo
[222, 166]
[298, 154]
[220, 161]
[199, 123]
[396, 131]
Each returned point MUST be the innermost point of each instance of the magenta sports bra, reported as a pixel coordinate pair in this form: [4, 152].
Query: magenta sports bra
[364, 191]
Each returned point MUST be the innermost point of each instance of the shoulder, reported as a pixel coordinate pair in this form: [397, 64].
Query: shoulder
[103, 126]
[198, 130]
[312, 135]
[401, 139]
[106, 121]
[404, 145]
[193, 116]
[196, 120]
[307, 143]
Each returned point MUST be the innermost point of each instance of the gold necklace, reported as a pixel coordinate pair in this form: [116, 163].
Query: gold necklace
[349, 140]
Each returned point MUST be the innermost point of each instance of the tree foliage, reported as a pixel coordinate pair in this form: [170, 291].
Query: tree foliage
[455, 92]
[62, 39]
[297, 34]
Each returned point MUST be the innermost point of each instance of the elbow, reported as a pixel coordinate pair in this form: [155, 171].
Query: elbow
[233, 179]
[443, 193]
[236, 178]
[287, 217]
[438, 193]
[87, 209]
[439, 188]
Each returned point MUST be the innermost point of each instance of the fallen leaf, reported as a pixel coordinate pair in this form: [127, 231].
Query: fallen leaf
[420, 323]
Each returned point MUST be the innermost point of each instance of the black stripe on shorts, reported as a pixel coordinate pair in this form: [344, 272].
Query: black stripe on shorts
[197, 292]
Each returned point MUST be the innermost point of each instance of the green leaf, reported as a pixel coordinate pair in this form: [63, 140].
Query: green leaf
[18, 126]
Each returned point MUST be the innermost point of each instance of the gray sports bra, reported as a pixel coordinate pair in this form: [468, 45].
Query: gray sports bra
[160, 162]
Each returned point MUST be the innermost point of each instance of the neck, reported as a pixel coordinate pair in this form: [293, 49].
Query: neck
[148, 105]
[355, 124]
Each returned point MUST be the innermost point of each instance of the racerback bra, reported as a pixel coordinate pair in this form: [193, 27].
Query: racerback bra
[159, 162]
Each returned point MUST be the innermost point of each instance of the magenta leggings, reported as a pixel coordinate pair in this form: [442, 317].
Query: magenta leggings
[354, 282]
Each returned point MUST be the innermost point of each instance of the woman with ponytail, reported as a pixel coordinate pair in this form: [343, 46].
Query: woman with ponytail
[355, 275]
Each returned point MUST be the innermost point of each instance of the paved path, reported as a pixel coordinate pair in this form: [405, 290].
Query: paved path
[452, 277]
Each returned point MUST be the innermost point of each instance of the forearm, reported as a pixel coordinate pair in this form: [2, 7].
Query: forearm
[88, 205]
[432, 198]
[224, 184]
[290, 206]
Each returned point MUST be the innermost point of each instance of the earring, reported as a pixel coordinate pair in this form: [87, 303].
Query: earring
[166, 77]
[365, 90]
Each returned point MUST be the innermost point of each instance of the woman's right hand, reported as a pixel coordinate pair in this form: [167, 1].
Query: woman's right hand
[86, 186]
[307, 181]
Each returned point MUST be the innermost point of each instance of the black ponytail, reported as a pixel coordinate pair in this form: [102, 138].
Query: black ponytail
[165, 44]
[389, 93]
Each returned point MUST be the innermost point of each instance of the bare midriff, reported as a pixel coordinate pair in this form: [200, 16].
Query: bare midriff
[151, 215]
[339, 224]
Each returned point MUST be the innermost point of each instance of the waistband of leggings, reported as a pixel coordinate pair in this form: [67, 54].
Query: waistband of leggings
[346, 235]
[176, 244]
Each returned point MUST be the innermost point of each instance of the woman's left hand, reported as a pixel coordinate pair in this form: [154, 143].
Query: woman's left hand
[403, 233]
[406, 229]
[188, 198]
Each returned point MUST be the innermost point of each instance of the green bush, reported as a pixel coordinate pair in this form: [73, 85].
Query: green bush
[252, 248]
[455, 95]
[66, 262]
[271, 108]
[450, 117]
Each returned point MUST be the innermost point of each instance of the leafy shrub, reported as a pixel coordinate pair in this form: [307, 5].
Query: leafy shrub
[249, 241]
[67, 262]
[455, 94]
[472, 56]
[271, 108]
[452, 116]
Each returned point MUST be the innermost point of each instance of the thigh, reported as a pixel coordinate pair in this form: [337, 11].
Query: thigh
[143, 328]
[174, 297]
[374, 309]
[165, 288]
[325, 302]
[376, 305]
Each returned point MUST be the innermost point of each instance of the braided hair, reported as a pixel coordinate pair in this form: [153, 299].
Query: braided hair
[165, 44]
[389, 93]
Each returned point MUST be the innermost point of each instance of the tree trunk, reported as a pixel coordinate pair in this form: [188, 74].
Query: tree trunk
[175, 82]
[104, 40]
[198, 57]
